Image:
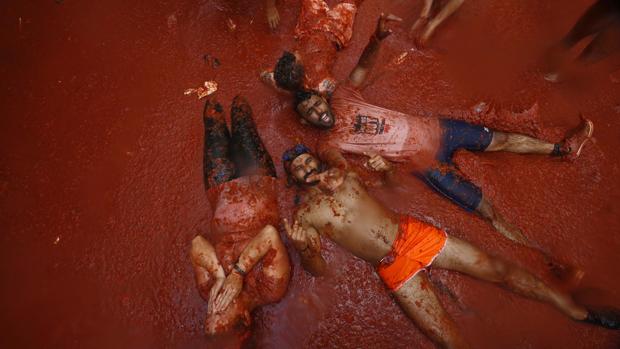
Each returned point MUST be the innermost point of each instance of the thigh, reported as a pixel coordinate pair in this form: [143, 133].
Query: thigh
[449, 183]
[461, 256]
[418, 299]
[462, 135]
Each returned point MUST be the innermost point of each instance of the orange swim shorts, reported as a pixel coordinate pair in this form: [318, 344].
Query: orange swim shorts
[414, 249]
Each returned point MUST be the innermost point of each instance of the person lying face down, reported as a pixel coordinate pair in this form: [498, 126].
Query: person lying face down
[243, 264]
[320, 33]
[425, 145]
[336, 205]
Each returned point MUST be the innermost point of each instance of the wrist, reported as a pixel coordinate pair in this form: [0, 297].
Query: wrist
[238, 270]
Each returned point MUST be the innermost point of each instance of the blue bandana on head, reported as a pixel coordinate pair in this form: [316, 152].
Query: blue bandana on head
[294, 152]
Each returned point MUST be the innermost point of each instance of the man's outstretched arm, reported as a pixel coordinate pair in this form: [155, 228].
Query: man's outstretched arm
[378, 163]
[369, 56]
[308, 243]
[266, 76]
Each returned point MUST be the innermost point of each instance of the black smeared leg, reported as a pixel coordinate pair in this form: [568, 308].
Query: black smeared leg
[248, 151]
[218, 168]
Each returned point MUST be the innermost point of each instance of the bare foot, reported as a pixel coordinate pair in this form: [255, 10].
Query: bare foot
[273, 17]
[576, 139]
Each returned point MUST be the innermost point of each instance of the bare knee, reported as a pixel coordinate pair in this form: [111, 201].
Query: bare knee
[499, 269]
[271, 235]
[269, 231]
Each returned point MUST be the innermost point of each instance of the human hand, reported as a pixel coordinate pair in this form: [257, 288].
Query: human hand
[229, 290]
[382, 31]
[215, 289]
[297, 235]
[328, 180]
[377, 163]
[273, 17]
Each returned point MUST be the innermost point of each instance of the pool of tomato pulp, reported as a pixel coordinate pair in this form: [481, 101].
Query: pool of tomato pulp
[101, 184]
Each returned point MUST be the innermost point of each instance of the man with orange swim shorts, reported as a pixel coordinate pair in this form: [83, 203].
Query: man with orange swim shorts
[335, 204]
[415, 248]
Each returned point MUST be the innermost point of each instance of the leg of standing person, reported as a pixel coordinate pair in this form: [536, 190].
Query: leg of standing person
[604, 44]
[446, 11]
[596, 18]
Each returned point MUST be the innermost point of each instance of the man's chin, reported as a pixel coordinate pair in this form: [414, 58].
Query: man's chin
[312, 183]
[326, 125]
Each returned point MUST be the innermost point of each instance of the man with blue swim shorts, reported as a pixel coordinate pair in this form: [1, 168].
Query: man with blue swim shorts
[425, 144]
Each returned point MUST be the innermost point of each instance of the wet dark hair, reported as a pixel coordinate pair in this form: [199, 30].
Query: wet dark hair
[288, 74]
[301, 96]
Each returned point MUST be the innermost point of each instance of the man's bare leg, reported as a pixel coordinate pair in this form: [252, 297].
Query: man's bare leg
[518, 143]
[445, 12]
[571, 276]
[463, 257]
[423, 18]
[487, 211]
[419, 301]
[570, 147]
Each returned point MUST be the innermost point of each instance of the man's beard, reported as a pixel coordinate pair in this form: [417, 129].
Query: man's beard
[310, 173]
[319, 169]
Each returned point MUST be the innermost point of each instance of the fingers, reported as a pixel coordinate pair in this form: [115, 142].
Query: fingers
[297, 232]
[224, 298]
[315, 177]
[287, 227]
[393, 18]
[212, 297]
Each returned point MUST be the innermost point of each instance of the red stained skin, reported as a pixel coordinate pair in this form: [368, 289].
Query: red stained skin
[101, 172]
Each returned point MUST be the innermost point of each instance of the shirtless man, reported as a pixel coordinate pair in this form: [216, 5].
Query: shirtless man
[244, 264]
[320, 33]
[335, 204]
[425, 145]
[432, 15]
